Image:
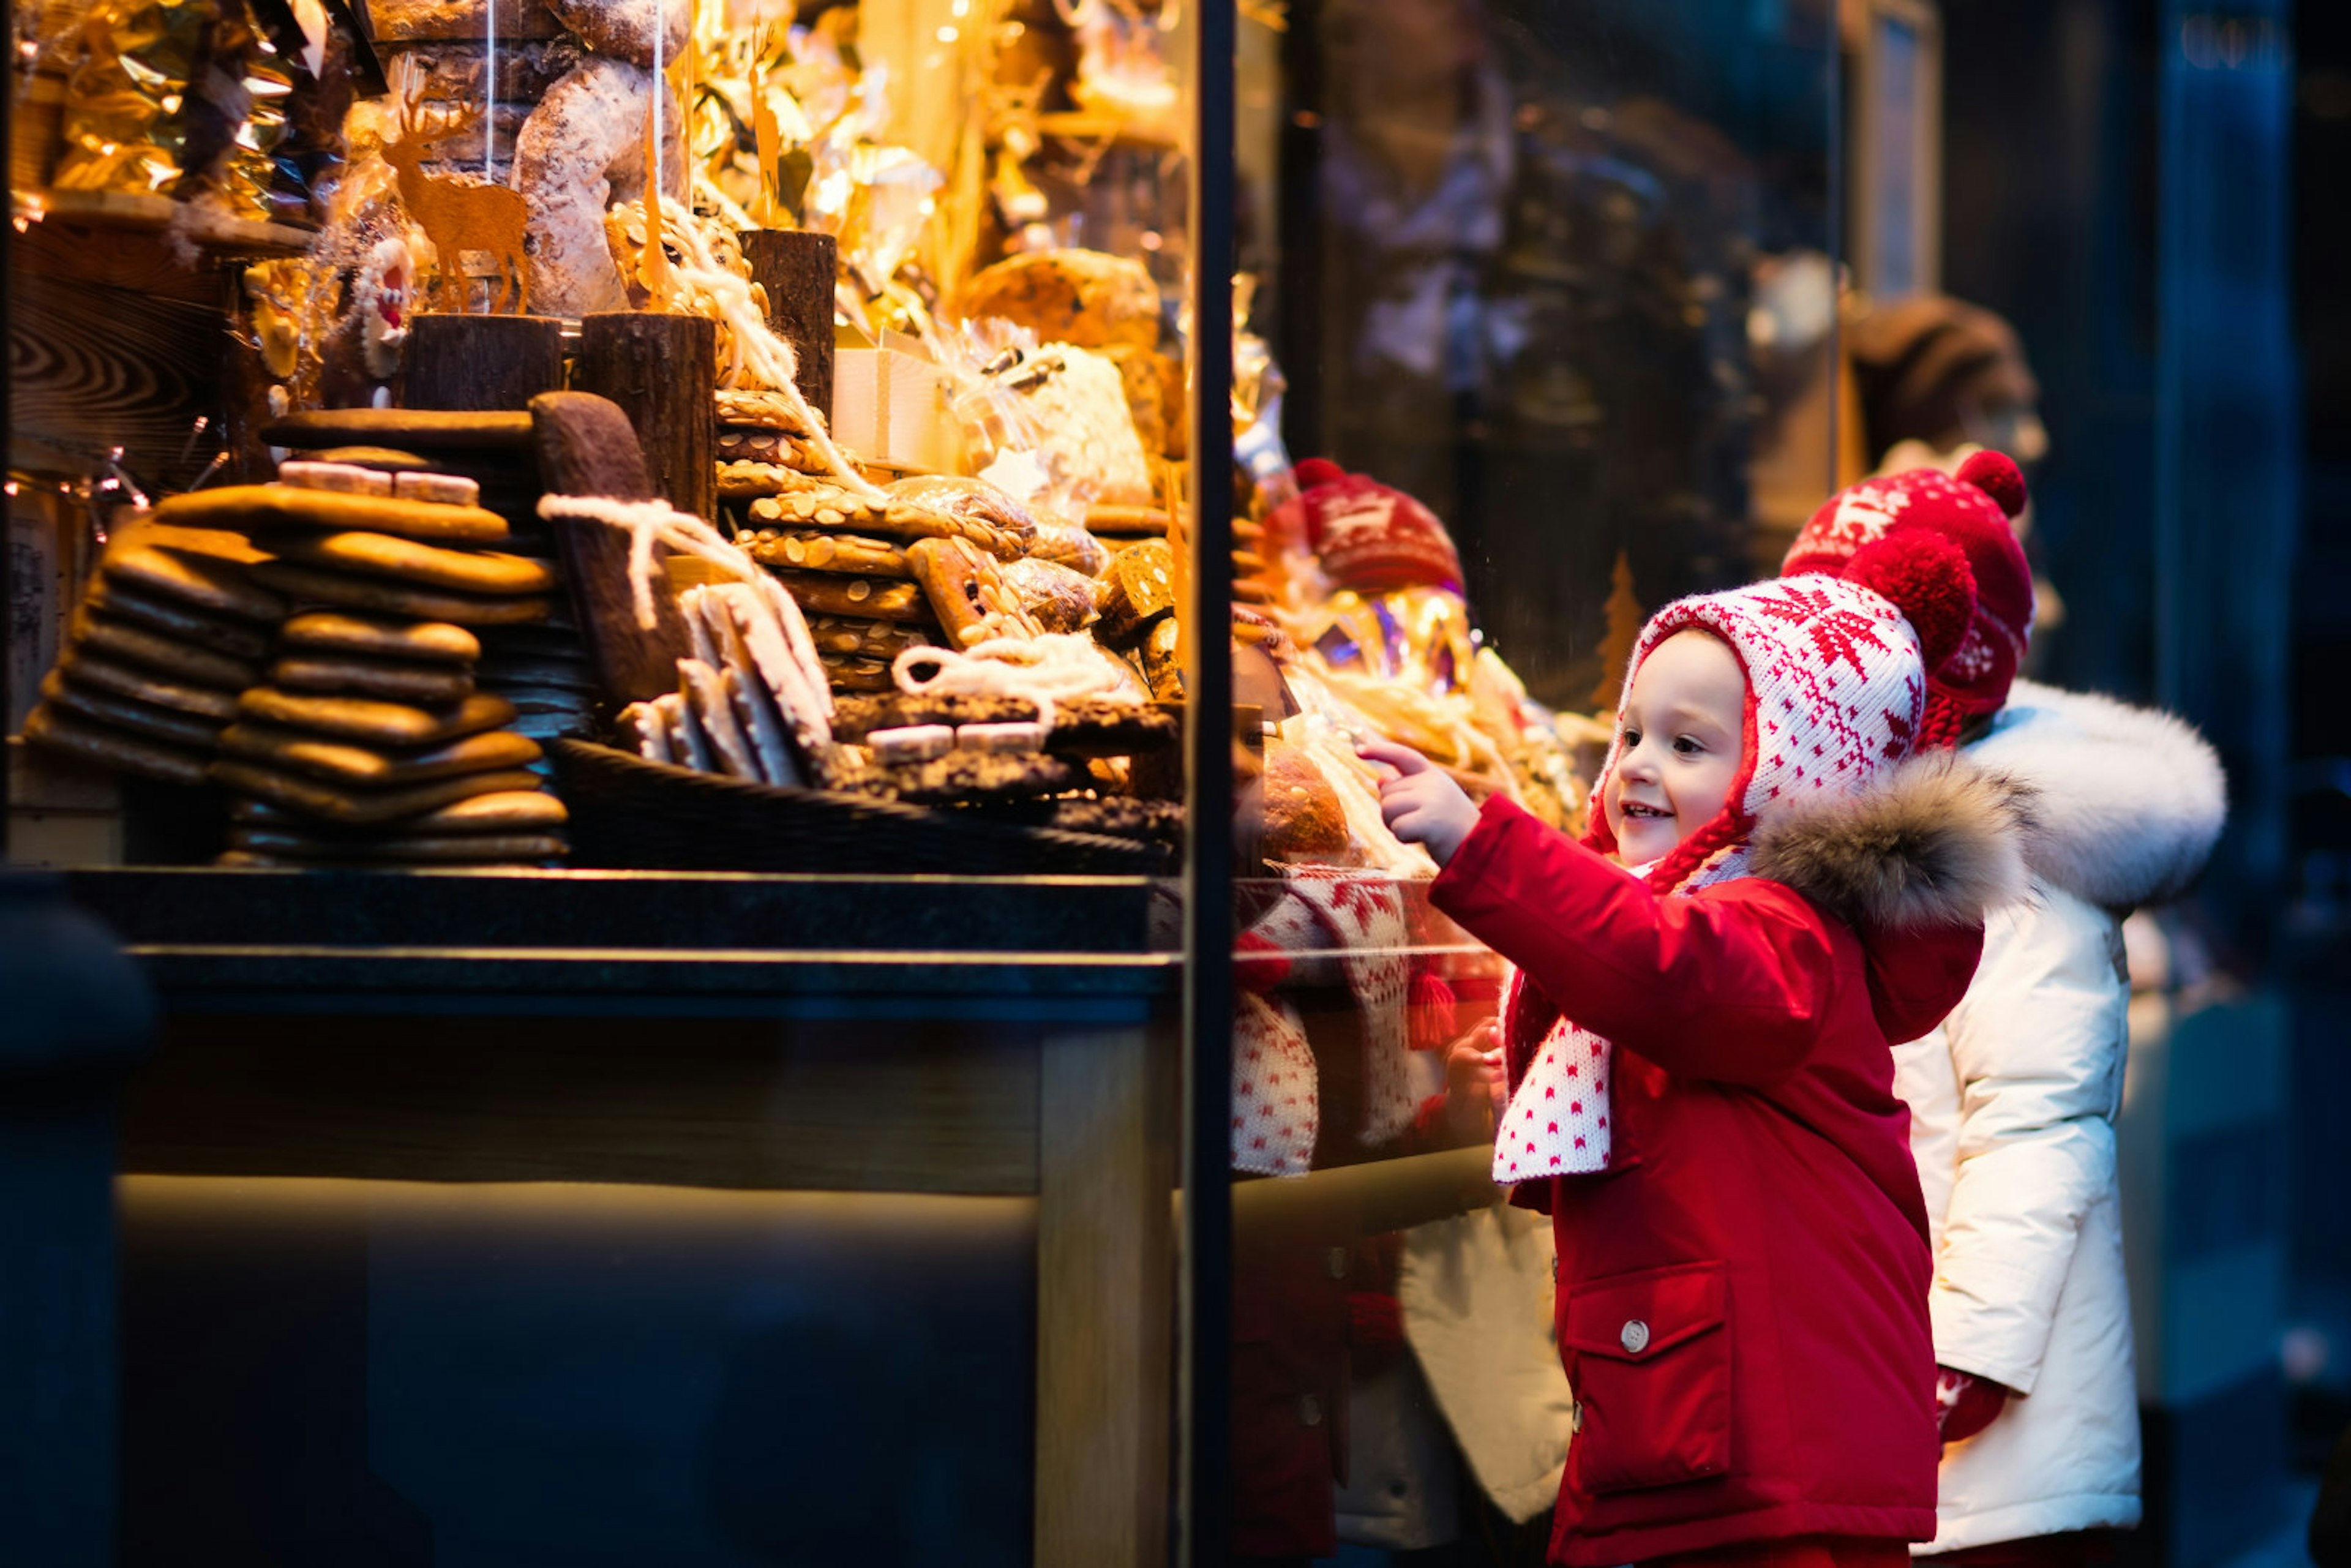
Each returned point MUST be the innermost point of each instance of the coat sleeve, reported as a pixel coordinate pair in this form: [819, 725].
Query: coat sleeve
[1730, 987]
[2037, 1047]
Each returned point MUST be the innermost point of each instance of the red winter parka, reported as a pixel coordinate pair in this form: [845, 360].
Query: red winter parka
[1742, 1293]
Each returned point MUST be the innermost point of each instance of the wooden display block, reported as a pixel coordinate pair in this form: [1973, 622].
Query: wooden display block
[891, 405]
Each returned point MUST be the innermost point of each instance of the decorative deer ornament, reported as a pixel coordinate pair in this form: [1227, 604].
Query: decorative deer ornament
[459, 215]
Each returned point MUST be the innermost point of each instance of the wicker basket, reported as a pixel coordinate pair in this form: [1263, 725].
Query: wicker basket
[630, 814]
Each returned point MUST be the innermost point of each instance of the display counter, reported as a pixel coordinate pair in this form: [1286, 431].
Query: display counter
[989, 1065]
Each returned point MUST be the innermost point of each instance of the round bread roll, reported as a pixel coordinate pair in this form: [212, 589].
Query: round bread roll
[1303, 819]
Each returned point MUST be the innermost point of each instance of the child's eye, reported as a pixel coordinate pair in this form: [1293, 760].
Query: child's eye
[1631, 738]
[1687, 746]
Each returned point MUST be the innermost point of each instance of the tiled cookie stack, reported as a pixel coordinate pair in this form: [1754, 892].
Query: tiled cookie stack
[368, 729]
[993, 753]
[850, 579]
[832, 550]
[173, 629]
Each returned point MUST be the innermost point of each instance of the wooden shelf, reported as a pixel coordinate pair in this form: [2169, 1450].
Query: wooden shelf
[209, 231]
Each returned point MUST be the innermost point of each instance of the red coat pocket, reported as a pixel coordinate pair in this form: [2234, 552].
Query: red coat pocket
[1651, 1367]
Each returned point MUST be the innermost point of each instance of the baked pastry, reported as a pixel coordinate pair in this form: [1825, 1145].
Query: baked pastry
[248, 507]
[583, 149]
[962, 776]
[624, 28]
[347, 591]
[358, 675]
[114, 748]
[216, 580]
[1056, 598]
[113, 639]
[372, 722]
[145, 720]
[1139, 588]
[808, 550]
[872, 599]
[967, 499]
[750, 444]
[343, 762]
[1069, 545]
[336, 631]
[94, 673]
[760, 408]
[411, 560]
[1303, 819]
[1080, 297]
[966, 592]
[182, 623]
[312, 797]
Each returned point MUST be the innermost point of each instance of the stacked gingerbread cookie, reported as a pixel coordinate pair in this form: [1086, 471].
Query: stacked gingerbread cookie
[367, 739]
[173, 629]
[540, 665]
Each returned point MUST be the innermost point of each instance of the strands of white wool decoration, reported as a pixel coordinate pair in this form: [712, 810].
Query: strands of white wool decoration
[1056, 666]
[762, 356]
[648, 523]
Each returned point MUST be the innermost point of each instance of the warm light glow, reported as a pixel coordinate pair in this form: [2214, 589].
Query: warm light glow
[557, 1207]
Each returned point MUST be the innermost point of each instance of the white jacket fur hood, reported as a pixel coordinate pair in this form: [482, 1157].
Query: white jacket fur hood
[2127, 802]
[2012, 1105]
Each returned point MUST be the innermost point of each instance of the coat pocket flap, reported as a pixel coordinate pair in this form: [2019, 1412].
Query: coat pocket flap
[1631, 1317]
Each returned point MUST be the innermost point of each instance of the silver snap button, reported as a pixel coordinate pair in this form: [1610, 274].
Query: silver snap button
[1338, 1262]
[1309, 1410]
[1634, 1336]
[1576, 1417]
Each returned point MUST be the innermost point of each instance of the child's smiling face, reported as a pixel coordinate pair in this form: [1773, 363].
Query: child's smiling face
[1685, 724]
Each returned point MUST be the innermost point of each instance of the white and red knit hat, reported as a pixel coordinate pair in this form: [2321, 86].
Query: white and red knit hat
[1974, 511]
[1836, 684]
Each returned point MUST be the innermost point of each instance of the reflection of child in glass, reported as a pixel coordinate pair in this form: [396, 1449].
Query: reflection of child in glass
[1701, 1079]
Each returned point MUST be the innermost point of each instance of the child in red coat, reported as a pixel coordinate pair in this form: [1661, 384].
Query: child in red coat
[1702, 1083]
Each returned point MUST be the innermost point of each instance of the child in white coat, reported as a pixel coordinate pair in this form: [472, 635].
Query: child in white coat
[2013, 1100]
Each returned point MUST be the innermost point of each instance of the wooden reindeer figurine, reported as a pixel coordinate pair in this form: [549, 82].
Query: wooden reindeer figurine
[457, 216]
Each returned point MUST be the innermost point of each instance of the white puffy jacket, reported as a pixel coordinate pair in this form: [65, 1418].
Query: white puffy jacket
[2012, 1105]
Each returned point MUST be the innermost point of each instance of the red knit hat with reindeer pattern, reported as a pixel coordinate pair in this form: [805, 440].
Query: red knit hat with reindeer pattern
[1974, 510]
[1836, 686]
[1371, 537]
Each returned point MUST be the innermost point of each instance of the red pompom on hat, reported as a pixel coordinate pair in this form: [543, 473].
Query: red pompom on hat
[1371, 537]
[1973, 511]
[1927, 577]
[1997, 476]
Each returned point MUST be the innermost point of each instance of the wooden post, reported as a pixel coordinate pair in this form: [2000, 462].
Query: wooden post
[476, 362]
[663, 370]
[1106, 1161]
[797, 269]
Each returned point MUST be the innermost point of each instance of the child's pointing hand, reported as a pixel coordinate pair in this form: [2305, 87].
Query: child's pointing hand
[1421, 804]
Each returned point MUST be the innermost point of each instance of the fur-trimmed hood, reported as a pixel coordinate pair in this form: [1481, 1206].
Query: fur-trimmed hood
[1937, 843]
[2126, 802]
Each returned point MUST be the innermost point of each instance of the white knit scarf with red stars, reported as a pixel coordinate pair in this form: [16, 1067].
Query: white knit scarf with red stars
[1557, 1121]
[1326, 913]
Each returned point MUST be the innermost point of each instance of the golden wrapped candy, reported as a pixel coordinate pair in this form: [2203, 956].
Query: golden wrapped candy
[146, 112]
